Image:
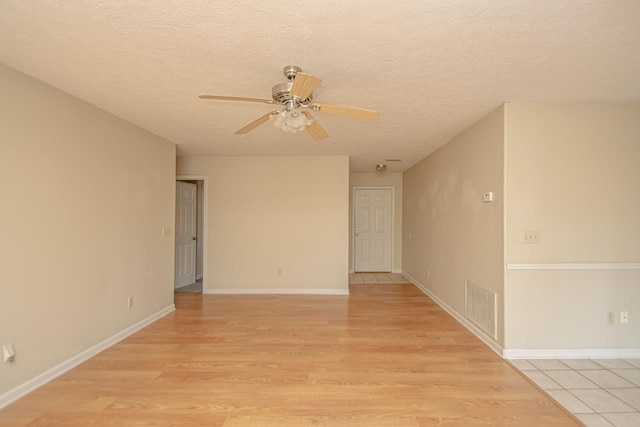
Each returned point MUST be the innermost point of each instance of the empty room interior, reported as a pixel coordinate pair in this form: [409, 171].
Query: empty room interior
[400, 214]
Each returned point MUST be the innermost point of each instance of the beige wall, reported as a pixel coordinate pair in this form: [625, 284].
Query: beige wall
[447, 228]
[84, 201]
[275, 222]
[387, 179]
[573, 172]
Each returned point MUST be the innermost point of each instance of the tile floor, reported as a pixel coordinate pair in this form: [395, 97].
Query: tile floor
[372, 278]
[600, 392]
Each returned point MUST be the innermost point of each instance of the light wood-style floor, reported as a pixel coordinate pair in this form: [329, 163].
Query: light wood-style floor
[384, 356]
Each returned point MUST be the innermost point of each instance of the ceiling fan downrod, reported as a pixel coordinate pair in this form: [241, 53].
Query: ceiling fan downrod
[290, 71]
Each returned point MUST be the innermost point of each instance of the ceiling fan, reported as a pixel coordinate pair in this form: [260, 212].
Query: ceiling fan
[296, 100]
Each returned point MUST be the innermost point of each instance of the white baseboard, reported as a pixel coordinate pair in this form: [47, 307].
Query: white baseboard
[572, 353]
[463, 321]
[285, 291]
[40, 380]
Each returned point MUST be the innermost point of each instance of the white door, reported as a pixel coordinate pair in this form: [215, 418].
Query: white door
[372, 229]
[185, 255]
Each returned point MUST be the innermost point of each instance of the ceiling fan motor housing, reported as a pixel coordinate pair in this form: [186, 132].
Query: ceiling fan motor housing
[280, 94]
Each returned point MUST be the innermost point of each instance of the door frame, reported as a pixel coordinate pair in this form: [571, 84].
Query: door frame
[353, 223]
[205, 220]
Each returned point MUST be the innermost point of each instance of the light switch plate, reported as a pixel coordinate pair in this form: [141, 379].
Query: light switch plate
[531, 237]
[8, 352]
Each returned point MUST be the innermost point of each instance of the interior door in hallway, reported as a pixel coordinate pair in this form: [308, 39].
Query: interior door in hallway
[185, 253]
[372, 229]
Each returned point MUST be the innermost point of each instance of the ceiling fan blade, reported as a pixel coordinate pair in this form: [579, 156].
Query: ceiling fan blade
[316, 131]
[254, 124]
[303, 85]
[236, 98]
[354, 113]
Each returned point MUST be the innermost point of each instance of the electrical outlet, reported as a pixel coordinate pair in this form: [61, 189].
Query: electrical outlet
[130, 302]
[531, 237]
[8, 352]
[611, 317]
[624, 317]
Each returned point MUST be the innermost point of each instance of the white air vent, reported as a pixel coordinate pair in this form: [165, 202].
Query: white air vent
[480, 307]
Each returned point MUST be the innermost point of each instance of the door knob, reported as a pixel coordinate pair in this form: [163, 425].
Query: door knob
[357, 231]
[194, 238]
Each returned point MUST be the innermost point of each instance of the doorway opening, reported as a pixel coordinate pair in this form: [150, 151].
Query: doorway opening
[190, 235]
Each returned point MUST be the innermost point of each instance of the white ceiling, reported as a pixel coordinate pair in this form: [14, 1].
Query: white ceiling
[430, 67]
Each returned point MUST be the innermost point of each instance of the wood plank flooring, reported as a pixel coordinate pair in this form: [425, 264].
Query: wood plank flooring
[385, 356]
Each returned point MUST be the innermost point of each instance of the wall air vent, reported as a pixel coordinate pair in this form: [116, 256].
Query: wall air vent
[480, 308]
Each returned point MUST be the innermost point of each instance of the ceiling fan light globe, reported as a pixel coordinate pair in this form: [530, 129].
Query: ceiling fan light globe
[278, 120]
[291, 121]
[295, 119]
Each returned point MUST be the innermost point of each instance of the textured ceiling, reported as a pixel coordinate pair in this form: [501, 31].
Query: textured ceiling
[431, 68]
